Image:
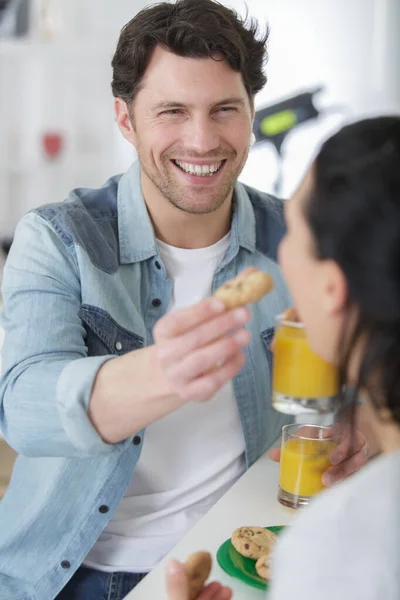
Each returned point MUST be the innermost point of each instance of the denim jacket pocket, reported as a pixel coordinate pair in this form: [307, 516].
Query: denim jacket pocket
[267, 336]
[104, 335]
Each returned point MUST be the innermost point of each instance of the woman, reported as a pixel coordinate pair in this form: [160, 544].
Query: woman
[341, 259]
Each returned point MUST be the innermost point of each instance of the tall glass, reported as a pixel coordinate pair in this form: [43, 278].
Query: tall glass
[305, 454]
[302, 382]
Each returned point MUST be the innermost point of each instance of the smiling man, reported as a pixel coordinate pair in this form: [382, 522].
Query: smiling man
[190, 123]
[133, 399]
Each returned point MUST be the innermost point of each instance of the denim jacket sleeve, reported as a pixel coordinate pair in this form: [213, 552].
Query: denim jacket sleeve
[47, 375]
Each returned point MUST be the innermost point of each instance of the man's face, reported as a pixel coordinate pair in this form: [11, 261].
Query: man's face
[191, 126]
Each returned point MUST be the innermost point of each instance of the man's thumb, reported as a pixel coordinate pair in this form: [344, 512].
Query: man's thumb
[176, 581]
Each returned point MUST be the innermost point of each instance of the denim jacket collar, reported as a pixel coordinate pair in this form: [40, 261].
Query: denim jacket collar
[137, 240]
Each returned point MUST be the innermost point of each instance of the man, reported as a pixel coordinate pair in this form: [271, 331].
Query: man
[133, 400]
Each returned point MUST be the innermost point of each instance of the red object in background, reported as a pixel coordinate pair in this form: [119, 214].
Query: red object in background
[52, 144]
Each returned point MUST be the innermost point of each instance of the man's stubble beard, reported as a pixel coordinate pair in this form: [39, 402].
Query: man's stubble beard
[173, 194]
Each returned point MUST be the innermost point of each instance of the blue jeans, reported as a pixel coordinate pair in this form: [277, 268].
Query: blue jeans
[89, 584]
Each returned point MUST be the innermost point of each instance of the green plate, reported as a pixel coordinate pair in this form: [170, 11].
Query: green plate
[239, 566]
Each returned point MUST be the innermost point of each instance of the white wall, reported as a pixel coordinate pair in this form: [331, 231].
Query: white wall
[59, 80]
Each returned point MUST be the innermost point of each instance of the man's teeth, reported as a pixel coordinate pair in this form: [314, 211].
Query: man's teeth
[201, 170]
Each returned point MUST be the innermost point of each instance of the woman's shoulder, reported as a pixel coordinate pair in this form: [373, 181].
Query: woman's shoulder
[347, 538]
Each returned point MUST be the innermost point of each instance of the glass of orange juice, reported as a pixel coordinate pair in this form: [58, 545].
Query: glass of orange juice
[302, 381]
[305, 454]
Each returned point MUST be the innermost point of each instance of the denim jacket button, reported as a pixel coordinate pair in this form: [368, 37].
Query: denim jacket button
[118, 346]
[156, 302]
[65, 564]
[103, 509]
[136, 440]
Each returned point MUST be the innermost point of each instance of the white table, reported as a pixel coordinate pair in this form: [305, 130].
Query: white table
[250, 501]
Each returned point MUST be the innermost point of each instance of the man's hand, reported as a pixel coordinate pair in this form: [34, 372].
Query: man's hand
[349, 456]
[200, 348]
[196, 351]
[178, 586]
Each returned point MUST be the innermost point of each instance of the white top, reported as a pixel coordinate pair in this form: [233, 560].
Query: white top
[189, 458]
[346, 544]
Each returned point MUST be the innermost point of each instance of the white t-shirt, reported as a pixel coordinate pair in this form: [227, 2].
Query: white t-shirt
[346, 544]
[189, 458]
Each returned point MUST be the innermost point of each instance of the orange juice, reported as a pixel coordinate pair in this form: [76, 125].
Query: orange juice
[303, 462]
[298, 371]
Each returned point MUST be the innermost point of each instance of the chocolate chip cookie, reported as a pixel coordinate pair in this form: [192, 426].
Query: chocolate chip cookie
[253, 542]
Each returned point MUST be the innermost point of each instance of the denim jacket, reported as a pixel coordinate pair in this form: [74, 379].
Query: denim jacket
[84, 283]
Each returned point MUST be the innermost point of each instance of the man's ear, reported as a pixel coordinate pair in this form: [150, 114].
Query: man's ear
[124, 120]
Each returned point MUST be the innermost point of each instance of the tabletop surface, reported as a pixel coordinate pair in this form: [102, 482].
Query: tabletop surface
[250, 501]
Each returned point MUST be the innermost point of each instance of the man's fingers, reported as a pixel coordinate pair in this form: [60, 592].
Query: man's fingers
[176, 581]
[205, 387]
[208, 358]
[182, 320]
[199, 349]
[172, 350]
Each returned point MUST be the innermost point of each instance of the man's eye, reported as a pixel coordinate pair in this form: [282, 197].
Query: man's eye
[172, 111]
[226, 109]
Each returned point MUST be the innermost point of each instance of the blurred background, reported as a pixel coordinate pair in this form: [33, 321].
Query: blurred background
[331, 61]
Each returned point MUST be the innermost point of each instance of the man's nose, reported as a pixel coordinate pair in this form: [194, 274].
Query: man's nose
[202, 135]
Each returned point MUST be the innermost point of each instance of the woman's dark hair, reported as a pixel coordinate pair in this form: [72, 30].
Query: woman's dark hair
[354, 217]
[193, 29]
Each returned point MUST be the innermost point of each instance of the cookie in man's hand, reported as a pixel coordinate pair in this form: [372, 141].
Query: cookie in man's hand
[198, 568]
[246, 288]
[291, 315]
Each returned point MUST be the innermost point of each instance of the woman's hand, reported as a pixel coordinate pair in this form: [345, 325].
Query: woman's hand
[348, 457]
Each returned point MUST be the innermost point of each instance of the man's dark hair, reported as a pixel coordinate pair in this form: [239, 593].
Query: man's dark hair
[192, 29]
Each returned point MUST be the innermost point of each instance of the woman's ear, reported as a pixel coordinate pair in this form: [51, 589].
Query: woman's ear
[334, 288]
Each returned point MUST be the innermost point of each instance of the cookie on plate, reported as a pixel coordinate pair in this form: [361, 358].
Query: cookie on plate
[198, 568]
[263, 566]
[253, 542]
